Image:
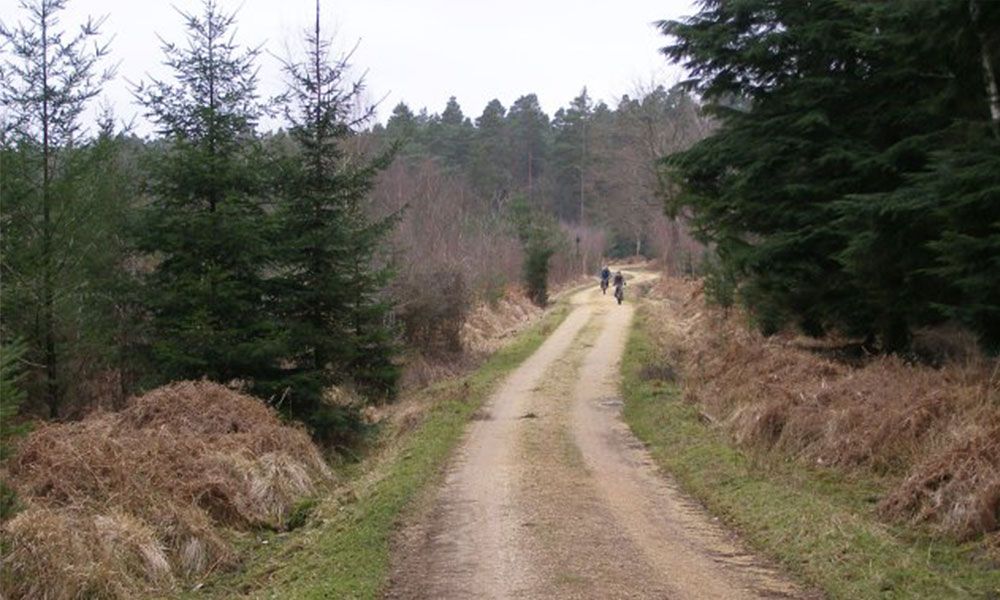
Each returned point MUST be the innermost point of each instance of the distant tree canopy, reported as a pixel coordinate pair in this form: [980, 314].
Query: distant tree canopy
[854, 180]
[588, 164]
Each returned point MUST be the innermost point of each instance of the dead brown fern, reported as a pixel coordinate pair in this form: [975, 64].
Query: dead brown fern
[123, 503]
[932, 429]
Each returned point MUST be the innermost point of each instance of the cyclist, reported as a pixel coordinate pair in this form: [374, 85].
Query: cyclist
[605, 276]
[619, 283]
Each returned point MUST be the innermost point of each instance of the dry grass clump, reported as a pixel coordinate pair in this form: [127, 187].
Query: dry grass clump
[421, 370]
[933, 429]
[69, 554]
[123, 503]
[957, 488]
[490, 325]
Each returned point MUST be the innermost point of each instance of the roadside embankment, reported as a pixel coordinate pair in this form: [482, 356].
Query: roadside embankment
[871, 477]
[344, 549]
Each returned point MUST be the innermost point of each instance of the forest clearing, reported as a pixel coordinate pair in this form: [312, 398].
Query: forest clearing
[271, 329]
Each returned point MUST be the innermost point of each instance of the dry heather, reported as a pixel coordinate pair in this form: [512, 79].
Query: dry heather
[123, 504]
[933, 432]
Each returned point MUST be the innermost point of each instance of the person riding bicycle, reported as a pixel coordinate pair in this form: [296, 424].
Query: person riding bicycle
[605, 276]
[619, 283]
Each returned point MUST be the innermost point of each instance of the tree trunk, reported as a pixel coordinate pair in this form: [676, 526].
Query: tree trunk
[989, 76]
[48, 294]
[583, 167]
[992, 93]
[529, 173]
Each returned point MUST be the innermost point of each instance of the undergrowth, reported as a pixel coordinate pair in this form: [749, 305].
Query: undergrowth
[136, 502]
[932, 431]
[820, 523]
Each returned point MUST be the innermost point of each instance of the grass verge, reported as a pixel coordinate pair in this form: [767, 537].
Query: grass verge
[347, 554]
[819, 523]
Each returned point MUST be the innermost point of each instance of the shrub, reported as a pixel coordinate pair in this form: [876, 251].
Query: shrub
[536, 271]
[720, 283]
[540, 237]
[432, 308]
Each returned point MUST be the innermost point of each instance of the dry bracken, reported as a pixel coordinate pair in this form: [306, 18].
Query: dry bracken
[932, 431]
[123, 504]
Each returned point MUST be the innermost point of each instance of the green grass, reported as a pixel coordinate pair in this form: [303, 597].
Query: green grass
[347, 556]
[820, 524]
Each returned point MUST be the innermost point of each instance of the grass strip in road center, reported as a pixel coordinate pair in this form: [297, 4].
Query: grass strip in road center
[820, 524]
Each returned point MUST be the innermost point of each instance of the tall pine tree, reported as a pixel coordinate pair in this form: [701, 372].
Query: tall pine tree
[528, 130]
[572, 155]
[206, 227]
[404, 128]
[330, 286]
[489, 149]
[49, 227]
[450, 136]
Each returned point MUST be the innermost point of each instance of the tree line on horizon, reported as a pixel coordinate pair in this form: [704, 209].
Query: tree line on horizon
[517, 194]
[588, 164]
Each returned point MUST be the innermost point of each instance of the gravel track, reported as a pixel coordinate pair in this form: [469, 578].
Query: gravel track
[551, 496]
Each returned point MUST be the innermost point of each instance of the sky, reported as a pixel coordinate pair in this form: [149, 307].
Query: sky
[417, 51]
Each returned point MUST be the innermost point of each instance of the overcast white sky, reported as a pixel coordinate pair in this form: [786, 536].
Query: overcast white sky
[421, 51]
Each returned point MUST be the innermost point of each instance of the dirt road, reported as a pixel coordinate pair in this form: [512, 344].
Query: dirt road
[550, 495]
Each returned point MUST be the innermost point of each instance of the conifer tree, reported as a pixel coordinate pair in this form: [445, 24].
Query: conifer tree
[923, 244]
[489, 149]
[11, 394]
[540, 237]
[47, 83]
[763, 185]
[966, 249]
[11, 397]
[451, 136]
[528, 127]
[835, 189]
[206, 227]
[112, 299]
[404, 129]
[572, 153]
[330, 284]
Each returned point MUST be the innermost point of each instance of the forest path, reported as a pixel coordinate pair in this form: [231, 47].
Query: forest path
[551, 496]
